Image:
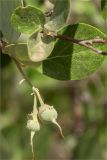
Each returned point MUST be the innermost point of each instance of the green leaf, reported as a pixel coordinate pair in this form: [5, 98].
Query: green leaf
[69, 61]
[27, 19]
[19, 52]
[40, 46]
[6, 9]
[104, 8]
[59, 16]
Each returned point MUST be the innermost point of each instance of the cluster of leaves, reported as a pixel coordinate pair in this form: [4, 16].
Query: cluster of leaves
[30, 43]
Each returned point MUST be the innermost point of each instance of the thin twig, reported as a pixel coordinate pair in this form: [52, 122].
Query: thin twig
[85, 43]
[28, 81]
[21, 71]
[97, 40]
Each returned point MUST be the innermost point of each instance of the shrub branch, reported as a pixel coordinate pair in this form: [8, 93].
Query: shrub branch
[85, 43]
[22, 72]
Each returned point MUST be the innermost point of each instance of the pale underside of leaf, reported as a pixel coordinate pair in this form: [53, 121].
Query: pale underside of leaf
[40, 46]
[20, 53]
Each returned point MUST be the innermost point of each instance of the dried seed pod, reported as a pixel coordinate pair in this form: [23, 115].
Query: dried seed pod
[34, 126]
[49, 114]
[33, 123]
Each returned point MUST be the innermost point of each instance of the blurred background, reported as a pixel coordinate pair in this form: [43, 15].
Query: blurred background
[81, 105]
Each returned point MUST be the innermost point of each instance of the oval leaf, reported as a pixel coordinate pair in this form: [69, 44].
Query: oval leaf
[27, 19]
[40, 46]
[19, 52]
[59, 16]
[69, 61]
[6, 9]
